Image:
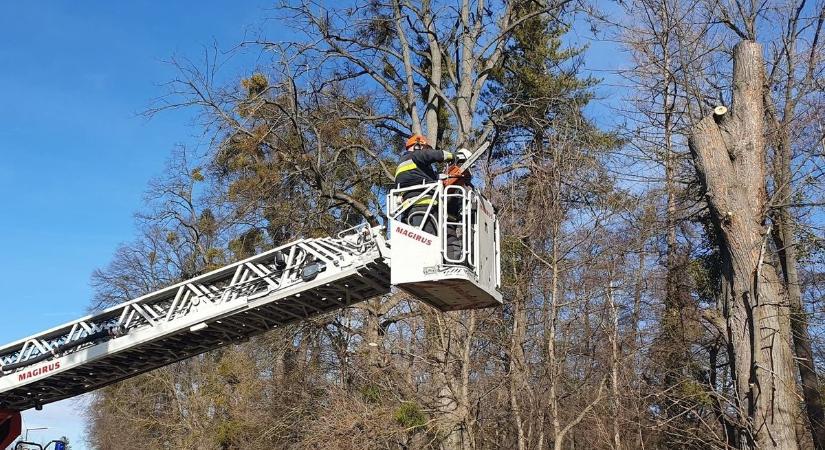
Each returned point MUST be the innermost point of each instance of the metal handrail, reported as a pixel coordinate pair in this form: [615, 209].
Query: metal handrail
[430, 190]
[464, 196]
[441, 196]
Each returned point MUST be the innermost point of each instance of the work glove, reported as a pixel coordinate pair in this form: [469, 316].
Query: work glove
[462, 155]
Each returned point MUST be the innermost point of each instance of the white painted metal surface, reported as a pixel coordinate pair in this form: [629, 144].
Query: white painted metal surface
[423, 264]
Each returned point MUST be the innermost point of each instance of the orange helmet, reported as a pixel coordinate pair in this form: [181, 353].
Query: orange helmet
[416, 139]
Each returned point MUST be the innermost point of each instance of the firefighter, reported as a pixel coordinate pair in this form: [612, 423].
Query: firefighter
[416, 168]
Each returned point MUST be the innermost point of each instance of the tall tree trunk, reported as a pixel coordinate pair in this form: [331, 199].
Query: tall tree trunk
[517, 367]
[467, 419]
[638, 291]
[786, 244]
[615, 401]
[785, 239]
[552, 365]
[729, 155]
[637, 344]
[372, 333]
[451, 378]
[668, 102]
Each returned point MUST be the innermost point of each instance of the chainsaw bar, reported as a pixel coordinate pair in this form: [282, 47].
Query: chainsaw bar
[472, 159]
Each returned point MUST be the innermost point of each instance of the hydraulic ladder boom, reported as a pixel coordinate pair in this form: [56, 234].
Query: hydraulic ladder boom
[289, 283]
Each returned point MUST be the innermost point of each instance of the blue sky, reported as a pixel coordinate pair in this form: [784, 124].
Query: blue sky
[75, 156]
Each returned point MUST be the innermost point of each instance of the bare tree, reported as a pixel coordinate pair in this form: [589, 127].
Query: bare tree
[729, 149]
[792, 69]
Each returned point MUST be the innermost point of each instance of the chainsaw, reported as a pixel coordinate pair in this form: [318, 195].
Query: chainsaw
[456, 174]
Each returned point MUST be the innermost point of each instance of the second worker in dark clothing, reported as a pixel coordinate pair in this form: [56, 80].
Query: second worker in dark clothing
[416, 168]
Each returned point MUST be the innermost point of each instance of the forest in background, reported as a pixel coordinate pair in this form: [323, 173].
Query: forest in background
[663, 278]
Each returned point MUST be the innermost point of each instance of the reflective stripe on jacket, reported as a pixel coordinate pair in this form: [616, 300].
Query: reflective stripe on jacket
[416, 168]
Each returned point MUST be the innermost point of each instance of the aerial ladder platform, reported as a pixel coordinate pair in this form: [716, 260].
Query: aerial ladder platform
[287, 284]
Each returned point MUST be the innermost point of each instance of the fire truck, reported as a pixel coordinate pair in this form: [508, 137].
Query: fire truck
[284, 285]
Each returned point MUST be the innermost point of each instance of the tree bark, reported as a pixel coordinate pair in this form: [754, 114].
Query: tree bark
[729, 154]
[552, 365]
[785, 240]
[517, 365]
[786, 245]
[450, 380]
[615, 401]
